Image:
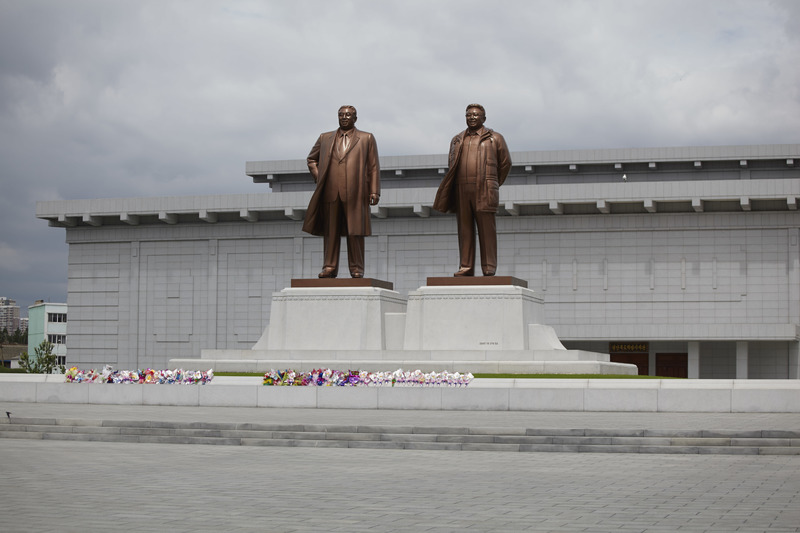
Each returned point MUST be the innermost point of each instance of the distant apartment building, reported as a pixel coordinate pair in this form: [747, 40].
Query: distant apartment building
[9, 314]
[23, 324]
[48, 322]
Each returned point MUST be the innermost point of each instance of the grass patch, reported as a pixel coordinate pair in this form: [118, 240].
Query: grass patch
[4, 370]
[500, 376]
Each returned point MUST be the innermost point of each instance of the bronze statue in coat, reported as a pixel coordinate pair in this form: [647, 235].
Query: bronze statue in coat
[344, 165]
[479, 162]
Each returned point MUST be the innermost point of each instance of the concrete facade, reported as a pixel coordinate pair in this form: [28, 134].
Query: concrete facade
[680, 251]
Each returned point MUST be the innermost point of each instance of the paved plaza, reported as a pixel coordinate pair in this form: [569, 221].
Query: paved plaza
[79, 486]
[96, 486]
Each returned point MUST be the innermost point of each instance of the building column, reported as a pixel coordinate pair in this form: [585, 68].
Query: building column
[383, 257]
[794, 360]
[212, 291]
[741, 359]
[694, 360]
[127, 355]
[298, 262]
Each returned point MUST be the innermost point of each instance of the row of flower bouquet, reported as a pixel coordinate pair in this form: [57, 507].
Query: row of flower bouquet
[149, 376]
[318, 378]
[354, 378]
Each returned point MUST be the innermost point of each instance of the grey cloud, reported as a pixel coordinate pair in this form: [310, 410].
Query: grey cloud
[148, 98]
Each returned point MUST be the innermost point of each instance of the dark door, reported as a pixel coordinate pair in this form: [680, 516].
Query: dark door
[672, 365]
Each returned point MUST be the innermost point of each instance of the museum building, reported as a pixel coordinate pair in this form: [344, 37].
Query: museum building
[684, 261]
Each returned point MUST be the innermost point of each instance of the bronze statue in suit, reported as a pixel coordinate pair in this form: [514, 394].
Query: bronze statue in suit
[344, 165]
[479, 162]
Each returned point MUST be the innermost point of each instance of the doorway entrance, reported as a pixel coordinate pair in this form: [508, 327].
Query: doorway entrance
[672, 365]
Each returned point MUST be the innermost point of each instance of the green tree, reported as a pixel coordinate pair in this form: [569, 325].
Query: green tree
[19, 337]
[43, 362]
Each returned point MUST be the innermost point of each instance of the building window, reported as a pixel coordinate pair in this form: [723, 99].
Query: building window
[61, 359]
[56, 317]
[57, 339]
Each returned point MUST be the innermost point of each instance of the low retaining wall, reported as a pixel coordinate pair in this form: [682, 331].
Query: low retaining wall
[719, 396]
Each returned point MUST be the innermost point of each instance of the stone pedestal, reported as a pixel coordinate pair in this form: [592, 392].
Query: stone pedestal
[330, 318]
[471, 318]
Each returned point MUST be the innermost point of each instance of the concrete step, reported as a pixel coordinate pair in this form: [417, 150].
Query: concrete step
[573, 440]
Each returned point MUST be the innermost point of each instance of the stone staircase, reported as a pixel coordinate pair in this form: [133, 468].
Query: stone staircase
[762, 442]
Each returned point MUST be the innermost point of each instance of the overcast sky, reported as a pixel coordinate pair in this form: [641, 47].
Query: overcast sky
[106, 98]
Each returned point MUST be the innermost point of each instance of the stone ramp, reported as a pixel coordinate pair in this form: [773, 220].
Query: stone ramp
[450, 438]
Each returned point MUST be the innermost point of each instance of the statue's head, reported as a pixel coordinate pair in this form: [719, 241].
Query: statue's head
[347, 117]
[476, 116]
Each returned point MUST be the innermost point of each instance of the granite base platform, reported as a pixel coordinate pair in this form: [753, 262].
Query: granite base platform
[483, 362]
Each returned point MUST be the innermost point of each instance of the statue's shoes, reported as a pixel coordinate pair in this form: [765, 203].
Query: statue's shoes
[465, 272]
[327, 272]
[356, 274]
